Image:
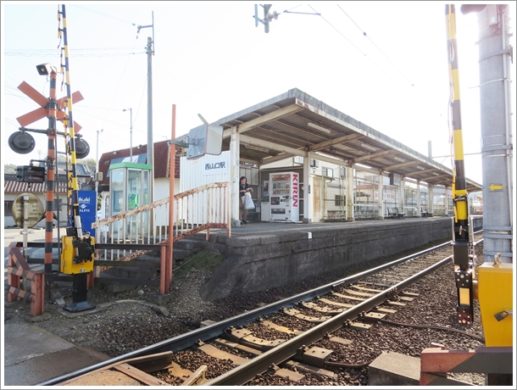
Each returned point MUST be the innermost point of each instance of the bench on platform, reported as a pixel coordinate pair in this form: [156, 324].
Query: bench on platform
[393, 212]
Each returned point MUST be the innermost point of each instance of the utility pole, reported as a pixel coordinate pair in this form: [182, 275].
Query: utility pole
[149, 50]
[267, 16]
[97, 173]
[130, 109]
[495, 55]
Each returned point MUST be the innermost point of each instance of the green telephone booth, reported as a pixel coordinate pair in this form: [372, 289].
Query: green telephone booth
[129, 189]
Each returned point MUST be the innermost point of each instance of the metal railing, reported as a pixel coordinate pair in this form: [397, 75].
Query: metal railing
[197, 210]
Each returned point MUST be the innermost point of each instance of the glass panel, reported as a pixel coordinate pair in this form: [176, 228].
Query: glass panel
[133, 188]
[145, 188]
[145, 200]
[117, 191]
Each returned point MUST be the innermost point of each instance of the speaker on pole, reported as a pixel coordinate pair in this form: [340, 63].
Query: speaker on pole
[22, 142]
[82, 149]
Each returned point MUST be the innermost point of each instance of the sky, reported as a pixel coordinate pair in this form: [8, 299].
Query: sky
[383, 63]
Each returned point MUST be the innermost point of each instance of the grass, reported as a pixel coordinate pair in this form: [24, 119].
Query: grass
[204, 260]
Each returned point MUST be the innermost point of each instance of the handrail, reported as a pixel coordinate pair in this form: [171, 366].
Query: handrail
[196, 210]
[157, 203]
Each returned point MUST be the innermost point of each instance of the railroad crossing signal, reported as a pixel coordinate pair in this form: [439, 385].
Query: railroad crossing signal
[43, 111]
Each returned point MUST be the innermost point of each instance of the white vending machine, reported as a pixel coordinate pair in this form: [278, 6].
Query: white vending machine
[284, 196]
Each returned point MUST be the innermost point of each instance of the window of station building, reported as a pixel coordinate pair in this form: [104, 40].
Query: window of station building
[339, 200]
[251, 171]
[8, 208]
[327, 172]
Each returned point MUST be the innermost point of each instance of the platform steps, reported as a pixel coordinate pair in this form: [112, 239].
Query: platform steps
[144, 268]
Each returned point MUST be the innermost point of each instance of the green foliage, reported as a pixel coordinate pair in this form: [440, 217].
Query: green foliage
[204, 260]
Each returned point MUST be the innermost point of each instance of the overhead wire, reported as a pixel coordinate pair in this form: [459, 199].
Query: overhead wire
[99, 53]
[105, 14]
[338, 31]
[397, 69]
[367, 36]
[122, 74]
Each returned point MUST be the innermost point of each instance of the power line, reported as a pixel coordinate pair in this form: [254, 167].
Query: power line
[122, 74]
[100, 53]
[376, 46]
[339, 32]
[105, 14]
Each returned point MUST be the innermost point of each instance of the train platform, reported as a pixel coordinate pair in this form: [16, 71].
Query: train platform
[259, 256]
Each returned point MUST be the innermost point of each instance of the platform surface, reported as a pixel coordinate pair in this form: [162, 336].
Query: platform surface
[264, 228]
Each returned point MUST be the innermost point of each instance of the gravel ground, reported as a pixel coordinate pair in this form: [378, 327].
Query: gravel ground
[139, 317]
[434, 307]
[125, 321]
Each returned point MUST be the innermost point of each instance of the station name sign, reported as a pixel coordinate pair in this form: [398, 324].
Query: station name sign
[217, 165]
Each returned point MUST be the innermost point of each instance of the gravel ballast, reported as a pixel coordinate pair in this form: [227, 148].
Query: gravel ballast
[127, 321]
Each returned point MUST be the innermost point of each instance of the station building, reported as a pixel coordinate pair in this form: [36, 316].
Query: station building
[306, 162]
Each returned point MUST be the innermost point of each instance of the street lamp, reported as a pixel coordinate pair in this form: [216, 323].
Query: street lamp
[130, 131]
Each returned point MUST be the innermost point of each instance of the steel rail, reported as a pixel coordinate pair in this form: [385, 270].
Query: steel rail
[186, 340]
[242, 374]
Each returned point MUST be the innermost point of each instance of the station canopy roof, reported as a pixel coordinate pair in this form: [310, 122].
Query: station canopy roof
[293, 123]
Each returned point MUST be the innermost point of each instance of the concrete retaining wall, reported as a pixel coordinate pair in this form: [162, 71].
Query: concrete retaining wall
[257, 262]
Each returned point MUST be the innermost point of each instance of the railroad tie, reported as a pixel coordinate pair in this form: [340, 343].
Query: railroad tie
[321, 372]
[177, 371]
[240, 347]
[198, 377]
[358, 293]
[321, 309]
[289, 374]
[247, 336]
[373, 315]
[339, 340]
[334, 303]
[395, 303]
[385, 310]
[359, 325]
[367, 289]
[297, 314]
[217, 353]
[280, 328]
[349, 297]
[410, 293]
[139, 375]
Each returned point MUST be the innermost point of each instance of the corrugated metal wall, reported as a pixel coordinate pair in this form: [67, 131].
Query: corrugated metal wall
[204, 170]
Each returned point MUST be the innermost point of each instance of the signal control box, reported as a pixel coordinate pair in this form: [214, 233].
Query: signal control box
[77, 255]
[495, 285]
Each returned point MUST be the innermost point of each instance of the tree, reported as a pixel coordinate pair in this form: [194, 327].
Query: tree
[90, 163]
[9, 168]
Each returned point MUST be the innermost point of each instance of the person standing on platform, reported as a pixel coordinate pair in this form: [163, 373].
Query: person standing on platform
[244, 188]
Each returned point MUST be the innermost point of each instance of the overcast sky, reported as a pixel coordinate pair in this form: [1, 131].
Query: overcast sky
[211, 59]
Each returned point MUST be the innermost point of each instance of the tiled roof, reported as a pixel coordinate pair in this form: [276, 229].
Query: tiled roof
[161, 159]
[13, 186]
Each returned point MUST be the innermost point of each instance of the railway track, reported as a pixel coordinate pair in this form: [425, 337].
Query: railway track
[289, 339]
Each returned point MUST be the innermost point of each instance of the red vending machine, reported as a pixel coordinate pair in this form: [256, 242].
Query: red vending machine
[284, 196]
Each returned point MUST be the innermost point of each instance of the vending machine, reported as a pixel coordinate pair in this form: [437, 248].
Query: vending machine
[284, 196]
